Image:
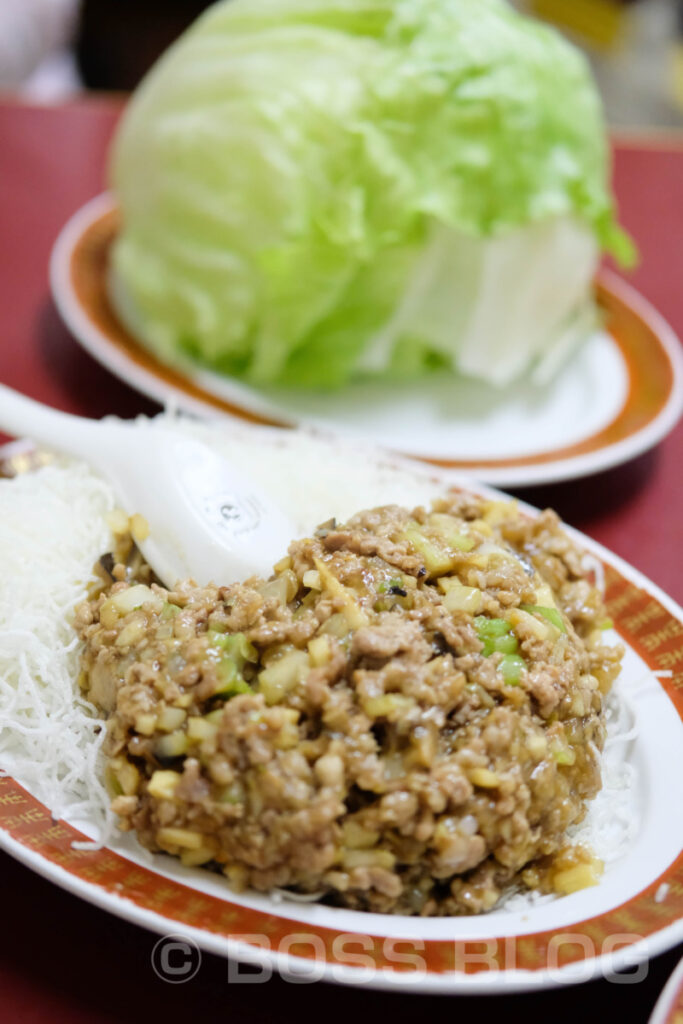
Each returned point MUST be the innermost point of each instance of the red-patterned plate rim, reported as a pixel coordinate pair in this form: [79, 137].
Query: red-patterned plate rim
[647, 346]
[650, 623]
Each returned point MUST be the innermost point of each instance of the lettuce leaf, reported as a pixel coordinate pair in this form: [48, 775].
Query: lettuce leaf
[316, 189]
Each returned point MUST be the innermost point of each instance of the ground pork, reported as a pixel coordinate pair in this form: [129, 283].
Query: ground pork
[405, 718]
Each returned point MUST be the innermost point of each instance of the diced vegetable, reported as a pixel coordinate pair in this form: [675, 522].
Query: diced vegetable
[311, 579]
[132, 632]
[481, 526]
[353, 612]
[356, 837]
[139, 528]
[511, 668]
[199, 728]
[283, 675]
[394, 586]
[337, 625]
[183, 837]
[486, 627]
[581, 876]
[446, 583]
[537, 745]
[444, 527]
[564, 755]
[235, 646]
[389, 705]
[230, 680]
[498, 638]
[368, 859]
[282, 588]
[329, 769]
[123, 776]
[172, 745]
[163, 785]
[170, 719]
[553, 616]
[109, 615]
[538, 629]
[183, 700]
[503, 644]
[215, 717]
[461, 542]
[194, 858]
[463, 599]
[489, 553]
[438, 560]
[545, 597]
[117, 521]
[578, 706]
[288, 736]
[319, 651]
[124, 603]
[232, 794]
[231, 652]
[496, 512]
[484, 778]
[135, 597]
[145, 723]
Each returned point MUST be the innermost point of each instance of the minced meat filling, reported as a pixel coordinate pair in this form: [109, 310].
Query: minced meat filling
[405, 718]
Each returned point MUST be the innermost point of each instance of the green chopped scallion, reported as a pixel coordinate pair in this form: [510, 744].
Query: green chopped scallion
[230, 680]
[511, 668]
[487, 628]
[394, 584]
[552, 615]
[235, 645]
[506, 644]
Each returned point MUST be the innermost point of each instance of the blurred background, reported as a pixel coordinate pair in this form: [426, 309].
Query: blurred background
[51, 50]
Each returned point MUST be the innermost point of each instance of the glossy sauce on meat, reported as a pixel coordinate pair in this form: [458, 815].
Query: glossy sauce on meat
[405, 718]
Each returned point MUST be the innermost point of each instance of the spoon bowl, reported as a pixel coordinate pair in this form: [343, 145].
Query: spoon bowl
[207, 521]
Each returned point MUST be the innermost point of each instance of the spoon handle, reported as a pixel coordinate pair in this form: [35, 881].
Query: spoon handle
[58, 431]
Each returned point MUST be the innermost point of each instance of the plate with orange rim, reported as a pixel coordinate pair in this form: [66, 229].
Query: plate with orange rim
[669, 1008]
[619, 395]
[635, 912]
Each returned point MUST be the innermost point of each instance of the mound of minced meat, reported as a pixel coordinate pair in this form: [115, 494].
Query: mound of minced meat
[406, 717]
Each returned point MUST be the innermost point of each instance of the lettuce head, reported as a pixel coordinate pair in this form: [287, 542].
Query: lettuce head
[313, 190]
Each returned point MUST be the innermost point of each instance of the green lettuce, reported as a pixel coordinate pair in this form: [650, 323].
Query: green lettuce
[316, 189]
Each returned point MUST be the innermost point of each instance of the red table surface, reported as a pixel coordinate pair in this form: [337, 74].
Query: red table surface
[62, 960]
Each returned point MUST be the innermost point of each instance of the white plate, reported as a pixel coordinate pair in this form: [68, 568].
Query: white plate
[618, 397]
[669, 1007]
[634, 913]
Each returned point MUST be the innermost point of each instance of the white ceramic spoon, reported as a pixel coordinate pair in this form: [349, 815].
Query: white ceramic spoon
[207, 521]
